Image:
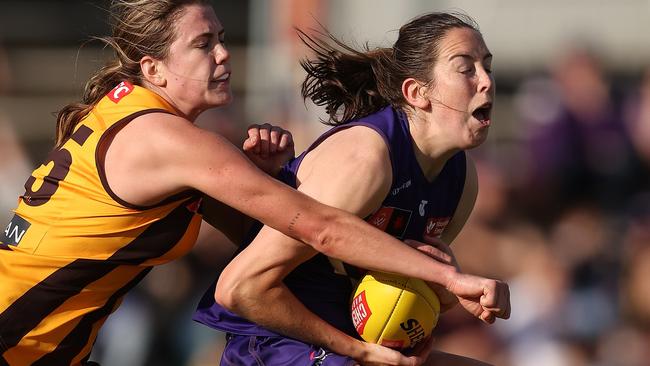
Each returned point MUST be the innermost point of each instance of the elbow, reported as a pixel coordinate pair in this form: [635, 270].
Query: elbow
[239, 293]
[328, 238]
[227, 293]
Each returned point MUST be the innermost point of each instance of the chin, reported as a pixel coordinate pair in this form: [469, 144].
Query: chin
[476, 140]
[220, 100]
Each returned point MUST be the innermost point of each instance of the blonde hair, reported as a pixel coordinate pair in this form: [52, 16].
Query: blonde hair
[139, 28]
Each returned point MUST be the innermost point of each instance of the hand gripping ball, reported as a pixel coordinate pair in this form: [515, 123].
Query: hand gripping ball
[394, 311]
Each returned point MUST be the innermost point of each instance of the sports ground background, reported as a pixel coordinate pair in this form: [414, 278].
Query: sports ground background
[563, 212]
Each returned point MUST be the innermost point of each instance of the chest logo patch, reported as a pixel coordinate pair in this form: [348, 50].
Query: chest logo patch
[435, 227]
[421, 208]
[391, 220]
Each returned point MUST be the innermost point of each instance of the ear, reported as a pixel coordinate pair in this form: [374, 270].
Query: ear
[152, 71]
[415, 93]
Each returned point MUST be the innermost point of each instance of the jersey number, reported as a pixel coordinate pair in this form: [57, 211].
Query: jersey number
[62, 161]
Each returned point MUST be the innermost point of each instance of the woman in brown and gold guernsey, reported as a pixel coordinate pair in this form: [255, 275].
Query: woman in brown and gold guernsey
[131, 177]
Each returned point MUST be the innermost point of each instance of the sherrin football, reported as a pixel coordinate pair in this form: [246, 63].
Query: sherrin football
[394, 311]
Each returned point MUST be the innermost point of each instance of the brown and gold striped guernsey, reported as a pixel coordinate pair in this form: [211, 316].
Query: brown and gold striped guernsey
[73, 248]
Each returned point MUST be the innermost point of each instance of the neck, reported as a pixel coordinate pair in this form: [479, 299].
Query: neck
[431, 149]
[186, 113]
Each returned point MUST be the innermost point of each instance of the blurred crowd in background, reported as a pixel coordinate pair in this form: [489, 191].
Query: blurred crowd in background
[563, 212]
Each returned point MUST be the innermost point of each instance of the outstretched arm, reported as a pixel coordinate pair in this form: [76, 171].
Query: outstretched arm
[269, 148]
[252, 285]
[170, 155]
[352, 177]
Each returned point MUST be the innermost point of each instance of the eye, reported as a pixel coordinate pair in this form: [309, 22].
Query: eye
[467, 70]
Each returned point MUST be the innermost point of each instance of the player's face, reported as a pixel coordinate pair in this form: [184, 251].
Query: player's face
[197, 69]
[462, 94]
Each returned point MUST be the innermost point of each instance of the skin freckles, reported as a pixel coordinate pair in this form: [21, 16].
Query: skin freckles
[197, 68]
[462, 82]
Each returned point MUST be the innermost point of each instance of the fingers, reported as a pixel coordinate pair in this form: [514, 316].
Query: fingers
[376, 354]
[496, 299]
[437, 243]
[431, 251]
[422, 351]
[487, 317]
[274, 138]
[267, 139]
[286, 140]
[485, 298]
[252, 143]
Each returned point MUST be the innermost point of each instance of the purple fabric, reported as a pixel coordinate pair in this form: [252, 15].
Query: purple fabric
[277, 351]
[414, 209]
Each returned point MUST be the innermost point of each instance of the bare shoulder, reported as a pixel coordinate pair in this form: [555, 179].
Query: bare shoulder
[359, 146]
[152, 148]
[351, 169]
[155, 130]
[361, 140]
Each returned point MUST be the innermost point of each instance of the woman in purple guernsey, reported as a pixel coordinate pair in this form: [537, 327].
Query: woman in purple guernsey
[403, 117]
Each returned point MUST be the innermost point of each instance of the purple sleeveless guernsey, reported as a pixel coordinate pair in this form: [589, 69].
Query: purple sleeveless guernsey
[414, 209]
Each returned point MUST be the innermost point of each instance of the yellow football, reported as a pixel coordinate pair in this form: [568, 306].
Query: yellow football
[394, 311]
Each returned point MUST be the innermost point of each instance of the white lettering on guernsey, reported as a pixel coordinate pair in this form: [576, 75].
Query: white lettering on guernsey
[422, 204]
[430, 226]
[403, 186]
[14, 233]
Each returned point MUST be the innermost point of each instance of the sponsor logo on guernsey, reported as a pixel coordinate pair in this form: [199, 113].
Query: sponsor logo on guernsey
[434, 227]
[392, 220]
[15, 231]
[421, 208]
[318, 357]
[120, 91]
[360, 312]
[406, 184]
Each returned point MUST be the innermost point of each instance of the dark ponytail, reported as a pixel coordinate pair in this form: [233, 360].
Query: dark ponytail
[351, 84]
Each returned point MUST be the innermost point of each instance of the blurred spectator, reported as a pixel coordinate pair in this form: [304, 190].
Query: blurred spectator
[638, 124]
[14, 163]
[14, 169]
[578, 146]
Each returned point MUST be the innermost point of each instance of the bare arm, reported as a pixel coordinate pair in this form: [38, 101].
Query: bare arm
[352, 177]
[269, 148]
[171, 155]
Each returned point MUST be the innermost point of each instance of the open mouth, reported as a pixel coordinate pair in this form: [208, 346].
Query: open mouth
[482, 113]
[224, 77]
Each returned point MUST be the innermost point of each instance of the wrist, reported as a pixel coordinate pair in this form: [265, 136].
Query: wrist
[349, 346]
[448, 276]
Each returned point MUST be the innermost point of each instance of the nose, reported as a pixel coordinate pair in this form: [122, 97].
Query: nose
[485, 82]
[221, 54]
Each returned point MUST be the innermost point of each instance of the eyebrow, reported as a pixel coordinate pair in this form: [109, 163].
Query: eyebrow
[209, 35]
[487, 56]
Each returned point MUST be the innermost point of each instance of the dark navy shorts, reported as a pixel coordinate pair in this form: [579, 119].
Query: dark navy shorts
[243, 350]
